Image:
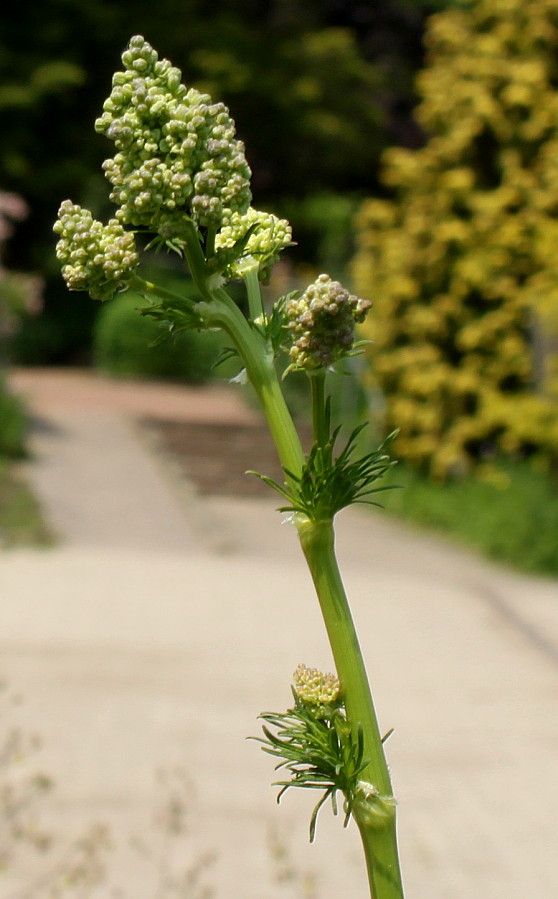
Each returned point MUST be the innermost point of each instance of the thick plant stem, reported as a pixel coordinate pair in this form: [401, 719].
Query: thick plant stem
[382, 860]
[376, 823]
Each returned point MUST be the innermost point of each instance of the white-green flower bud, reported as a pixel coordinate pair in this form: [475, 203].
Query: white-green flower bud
[177, 155]
[269, 237]
[96, 258]
[322, 323]
[313, 687]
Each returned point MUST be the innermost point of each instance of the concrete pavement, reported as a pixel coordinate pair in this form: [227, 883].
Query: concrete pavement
[161, 624]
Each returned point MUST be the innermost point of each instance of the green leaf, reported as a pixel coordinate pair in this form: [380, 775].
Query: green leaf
[329, 483]
[318, 749]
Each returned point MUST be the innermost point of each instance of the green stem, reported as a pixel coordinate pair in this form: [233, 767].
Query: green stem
[196, 261]
[218, 310]
[148, 287]
[210, 242]
[319, 418]
[255, 304]
[377, 832]
[375, 818]
[382, 861]
[222, 312]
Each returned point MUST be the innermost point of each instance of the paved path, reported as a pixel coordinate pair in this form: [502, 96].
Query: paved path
[161, 624]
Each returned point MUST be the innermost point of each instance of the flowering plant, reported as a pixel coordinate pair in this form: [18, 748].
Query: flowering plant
[180, 175]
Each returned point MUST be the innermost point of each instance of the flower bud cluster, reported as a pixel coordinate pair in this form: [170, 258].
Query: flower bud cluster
[315, 688]
[95, 257]
[322, 323]
[270, 235]
[177, 154]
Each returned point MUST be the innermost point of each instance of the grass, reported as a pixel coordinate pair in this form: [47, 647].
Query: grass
[21, 521]
[507, 512]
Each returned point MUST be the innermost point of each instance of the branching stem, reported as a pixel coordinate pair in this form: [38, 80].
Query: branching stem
[317, 540]
[217, 309]
[140, 284]
[223, 312]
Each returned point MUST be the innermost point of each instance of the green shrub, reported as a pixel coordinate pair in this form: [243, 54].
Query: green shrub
[13, 424]
[508, 512]
[128, 344]
[463, 260]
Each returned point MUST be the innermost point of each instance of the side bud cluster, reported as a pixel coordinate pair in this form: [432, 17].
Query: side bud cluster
[96, 258]
[269, 235]
[177, 154]
[322, 323]
[315, 688]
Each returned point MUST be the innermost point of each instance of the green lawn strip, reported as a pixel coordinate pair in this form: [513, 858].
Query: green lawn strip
[21, 520]
[510, 514]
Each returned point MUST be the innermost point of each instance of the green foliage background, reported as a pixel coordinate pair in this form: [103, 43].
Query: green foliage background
[128, 344]
[463, 260]
[13, 423]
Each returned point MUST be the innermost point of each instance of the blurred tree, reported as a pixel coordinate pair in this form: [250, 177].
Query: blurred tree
[464, 259]
[317, 90]
[19, 294]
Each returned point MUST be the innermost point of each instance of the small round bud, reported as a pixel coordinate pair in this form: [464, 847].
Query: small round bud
[322, 323]
[269, 236]
[96, 258]
[315, 688]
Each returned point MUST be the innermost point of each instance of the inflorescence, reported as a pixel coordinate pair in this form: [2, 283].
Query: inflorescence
[179, 168]
[322, 323]
[315, 688]
[178, 164]
[177, 151]
[268, 236]
[314, 743]
[94, 257]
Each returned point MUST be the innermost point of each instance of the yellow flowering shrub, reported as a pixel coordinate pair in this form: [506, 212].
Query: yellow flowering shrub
[462, 264]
